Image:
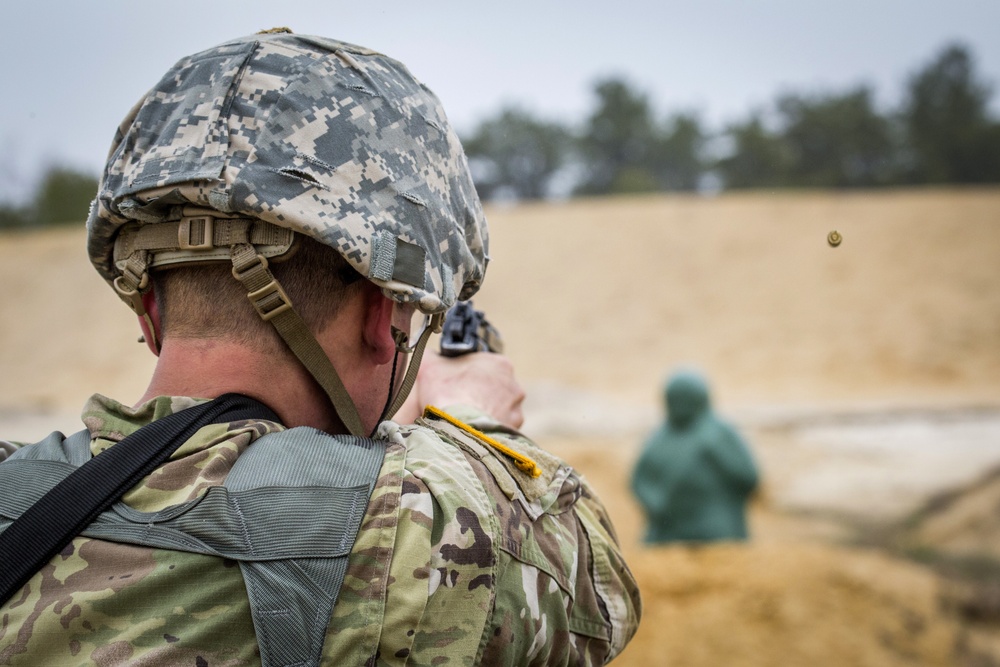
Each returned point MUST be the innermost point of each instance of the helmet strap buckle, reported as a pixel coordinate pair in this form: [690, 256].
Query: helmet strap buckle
[196, 233]
[131, 285]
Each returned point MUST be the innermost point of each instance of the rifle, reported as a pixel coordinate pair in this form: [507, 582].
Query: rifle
[465, 330]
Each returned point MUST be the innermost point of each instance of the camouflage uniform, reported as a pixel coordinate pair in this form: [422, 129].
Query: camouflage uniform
[462, 559]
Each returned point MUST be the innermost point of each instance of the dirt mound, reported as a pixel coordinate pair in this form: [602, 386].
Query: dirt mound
[965, 522]
[788, 604]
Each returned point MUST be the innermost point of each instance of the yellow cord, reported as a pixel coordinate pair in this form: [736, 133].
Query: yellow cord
[520, 460]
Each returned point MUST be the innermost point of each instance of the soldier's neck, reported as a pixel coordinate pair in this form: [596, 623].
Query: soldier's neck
[202, 368]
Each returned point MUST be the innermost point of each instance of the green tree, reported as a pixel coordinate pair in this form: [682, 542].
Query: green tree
[949, 133]
[676, 159]
[618, 141]
[516, 154]
[63, 196]
[13, 217]
[834, 140]
[837, 140]
[760, 158]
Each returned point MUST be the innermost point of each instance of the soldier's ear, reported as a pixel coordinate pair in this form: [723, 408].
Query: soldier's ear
[377, 331]
[150, 323]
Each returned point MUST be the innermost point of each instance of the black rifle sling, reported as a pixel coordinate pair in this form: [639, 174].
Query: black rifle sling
[46, 527]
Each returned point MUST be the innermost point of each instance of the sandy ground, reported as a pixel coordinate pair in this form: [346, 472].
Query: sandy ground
[866, 377]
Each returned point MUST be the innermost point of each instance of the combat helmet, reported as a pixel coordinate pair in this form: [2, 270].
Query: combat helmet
[240, 147]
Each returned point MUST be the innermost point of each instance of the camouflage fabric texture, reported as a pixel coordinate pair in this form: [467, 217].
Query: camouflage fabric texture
[462, 559]
[328, 139]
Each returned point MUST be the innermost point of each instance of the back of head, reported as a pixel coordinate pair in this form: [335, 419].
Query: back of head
[242, 150]
[687, 399]
[203, 301]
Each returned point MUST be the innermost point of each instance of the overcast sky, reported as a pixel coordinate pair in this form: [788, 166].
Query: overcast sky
[72, 69]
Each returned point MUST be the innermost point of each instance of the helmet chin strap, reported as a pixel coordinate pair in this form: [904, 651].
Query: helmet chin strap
[402, 338]
[274, 306]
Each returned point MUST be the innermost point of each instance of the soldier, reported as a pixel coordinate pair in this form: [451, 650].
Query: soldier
[324, 183]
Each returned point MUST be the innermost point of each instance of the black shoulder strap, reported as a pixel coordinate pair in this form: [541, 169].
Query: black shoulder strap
[61, 514]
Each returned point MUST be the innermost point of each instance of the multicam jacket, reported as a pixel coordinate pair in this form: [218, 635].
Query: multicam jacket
[476, 548]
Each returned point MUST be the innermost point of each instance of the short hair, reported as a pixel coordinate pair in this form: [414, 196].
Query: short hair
[206, 301]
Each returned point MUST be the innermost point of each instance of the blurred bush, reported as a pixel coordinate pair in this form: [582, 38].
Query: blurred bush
[941, 133]
[62, 196]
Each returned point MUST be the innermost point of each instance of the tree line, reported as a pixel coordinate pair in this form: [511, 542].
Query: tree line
[62, 196]
[941, 133]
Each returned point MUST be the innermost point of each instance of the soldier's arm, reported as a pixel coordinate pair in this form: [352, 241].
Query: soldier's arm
[564, 594]
[567, 596]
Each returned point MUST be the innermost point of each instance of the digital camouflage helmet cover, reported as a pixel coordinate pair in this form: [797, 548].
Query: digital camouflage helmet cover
[241, 146]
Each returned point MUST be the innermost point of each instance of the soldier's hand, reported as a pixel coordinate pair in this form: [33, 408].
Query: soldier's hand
[482, 380]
